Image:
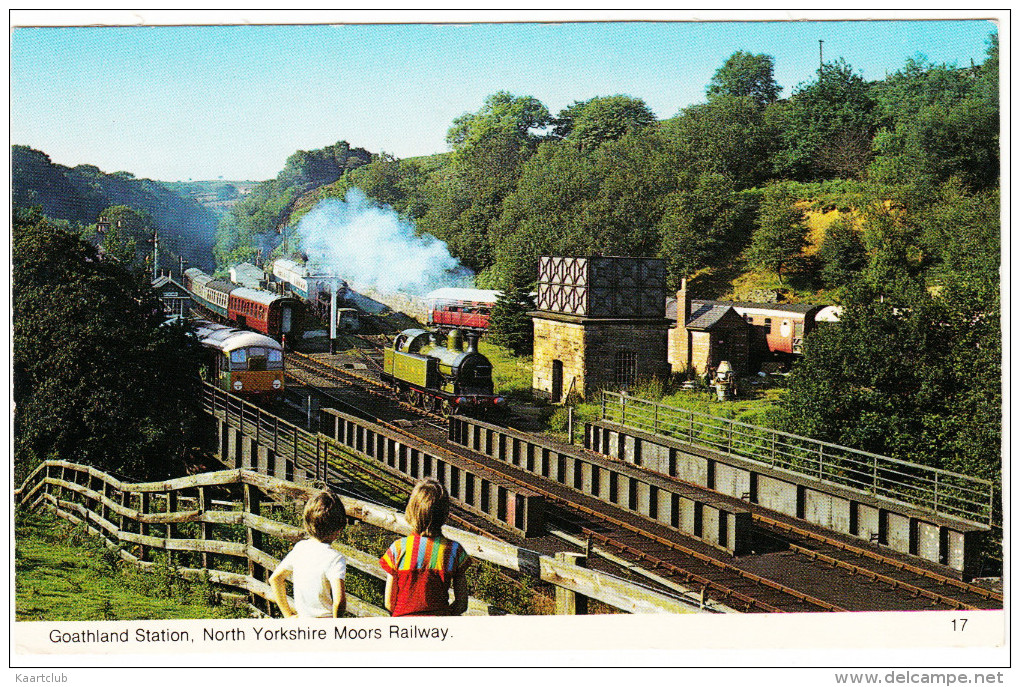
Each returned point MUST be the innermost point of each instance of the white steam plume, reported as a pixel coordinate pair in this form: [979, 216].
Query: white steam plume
[371, 245]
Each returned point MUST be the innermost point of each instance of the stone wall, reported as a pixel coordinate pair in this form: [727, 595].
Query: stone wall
[587, 348]
[372, 300]
[556, 340]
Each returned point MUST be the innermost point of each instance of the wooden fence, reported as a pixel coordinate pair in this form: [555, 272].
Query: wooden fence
[215, 526]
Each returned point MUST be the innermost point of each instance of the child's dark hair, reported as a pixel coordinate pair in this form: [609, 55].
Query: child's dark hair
[325, 516]
[428, 507]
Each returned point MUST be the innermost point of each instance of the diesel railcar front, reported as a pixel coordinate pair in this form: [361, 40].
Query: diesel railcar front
[241, 362]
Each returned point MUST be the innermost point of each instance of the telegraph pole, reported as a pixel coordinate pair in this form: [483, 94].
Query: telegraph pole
[155, 254]
[820, 62]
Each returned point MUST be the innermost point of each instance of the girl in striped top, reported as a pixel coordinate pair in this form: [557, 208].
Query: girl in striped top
[422, 567]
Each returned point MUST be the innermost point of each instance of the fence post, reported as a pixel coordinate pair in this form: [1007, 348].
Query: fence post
[567, 601]
[570, 423]
[171, 528]
[655, 420]
[253, 540]
[203, 526]
[143, 527]
[936, 492]
[122, 519]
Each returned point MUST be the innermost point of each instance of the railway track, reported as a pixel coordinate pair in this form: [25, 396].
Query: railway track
[627, 537]
[383, 484]
[874, 567]
[805, 571]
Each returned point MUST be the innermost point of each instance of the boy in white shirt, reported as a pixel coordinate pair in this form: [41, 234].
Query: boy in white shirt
[316, 569]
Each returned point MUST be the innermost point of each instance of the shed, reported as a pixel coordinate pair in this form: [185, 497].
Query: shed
[712, 333]
[175, 298]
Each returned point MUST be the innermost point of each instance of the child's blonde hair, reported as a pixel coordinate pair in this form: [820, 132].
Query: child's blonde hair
[428, 507]
[325, 516]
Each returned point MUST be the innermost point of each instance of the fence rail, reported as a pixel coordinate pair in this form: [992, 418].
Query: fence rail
[918, 486]
[230, 541]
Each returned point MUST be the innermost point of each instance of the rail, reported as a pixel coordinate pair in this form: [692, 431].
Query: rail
[234, 541]
[932, 489]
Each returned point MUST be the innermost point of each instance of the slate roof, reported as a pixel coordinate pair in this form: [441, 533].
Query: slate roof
[707, 316]
[698, 303]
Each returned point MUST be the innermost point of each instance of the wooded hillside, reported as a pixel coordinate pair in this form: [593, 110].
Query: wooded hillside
[78, 195]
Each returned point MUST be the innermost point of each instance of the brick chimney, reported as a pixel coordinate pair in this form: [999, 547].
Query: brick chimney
[679, 337]
[683, 303]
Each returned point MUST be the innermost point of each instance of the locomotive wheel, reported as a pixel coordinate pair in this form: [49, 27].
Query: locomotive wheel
[447, 408]
[430, 403]
[417, 399]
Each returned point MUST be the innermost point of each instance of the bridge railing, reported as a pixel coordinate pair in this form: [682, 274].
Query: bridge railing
[298, 447]
[931, 489]
[234, 541]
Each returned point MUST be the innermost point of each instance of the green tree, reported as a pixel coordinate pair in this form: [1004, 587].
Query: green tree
[939, 122]
[842, 253]
[608, 119]
[127, 234]
[489, 149]
[503, 113]
[97, 378]
[746, 75]
[728, 135]
[780, 236]
[827, 126]
[700, 225]
[510, 325]
[914, 376]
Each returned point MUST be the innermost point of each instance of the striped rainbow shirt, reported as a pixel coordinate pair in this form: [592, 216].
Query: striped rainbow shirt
[423, 569]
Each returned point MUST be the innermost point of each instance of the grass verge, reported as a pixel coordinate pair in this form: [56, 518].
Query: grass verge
[62, 573]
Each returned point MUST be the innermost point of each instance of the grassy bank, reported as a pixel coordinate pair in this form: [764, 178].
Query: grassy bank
[62, 573]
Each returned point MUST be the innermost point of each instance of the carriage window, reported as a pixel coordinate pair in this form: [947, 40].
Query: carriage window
[768, 325]
[239, 359]
[275, 360]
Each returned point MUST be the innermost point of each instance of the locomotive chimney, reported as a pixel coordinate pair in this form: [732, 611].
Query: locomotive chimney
[455, 340]
[472, 338]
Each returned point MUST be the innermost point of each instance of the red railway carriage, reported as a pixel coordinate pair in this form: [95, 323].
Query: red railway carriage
[454, 308]
[782, 325]
[262, 311]
[779, 328]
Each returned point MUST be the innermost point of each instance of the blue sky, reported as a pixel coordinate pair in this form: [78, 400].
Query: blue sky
[201, 102]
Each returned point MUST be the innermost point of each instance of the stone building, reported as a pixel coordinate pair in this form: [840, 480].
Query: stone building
[707, 335]
[600, 324]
